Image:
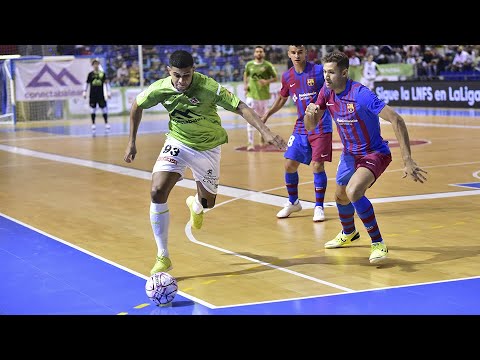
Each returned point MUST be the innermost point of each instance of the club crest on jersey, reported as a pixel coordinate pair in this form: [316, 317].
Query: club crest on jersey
[350, 108]
[194, 101]
[310, 82]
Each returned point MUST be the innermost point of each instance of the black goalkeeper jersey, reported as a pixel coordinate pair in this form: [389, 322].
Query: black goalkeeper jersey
[96, 79]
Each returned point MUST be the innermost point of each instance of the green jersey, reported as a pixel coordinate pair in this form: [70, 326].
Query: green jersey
[264, 70]
[193, 114]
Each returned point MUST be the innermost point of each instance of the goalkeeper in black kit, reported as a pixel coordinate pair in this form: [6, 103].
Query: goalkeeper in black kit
[99, 93]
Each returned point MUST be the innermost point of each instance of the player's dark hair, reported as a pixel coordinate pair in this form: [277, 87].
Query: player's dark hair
[338, 57]
[181, 59]
[259, 47]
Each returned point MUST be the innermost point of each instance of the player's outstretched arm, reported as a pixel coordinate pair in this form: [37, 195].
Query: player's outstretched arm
[400, 128]
[135, 118]
[252, 118]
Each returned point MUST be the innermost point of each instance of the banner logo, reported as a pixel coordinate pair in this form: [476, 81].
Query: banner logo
[64, 73]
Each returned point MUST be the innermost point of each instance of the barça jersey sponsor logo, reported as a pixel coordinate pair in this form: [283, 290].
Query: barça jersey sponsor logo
[346, 122]
[310, 82]
[309, 95]
[350, 108]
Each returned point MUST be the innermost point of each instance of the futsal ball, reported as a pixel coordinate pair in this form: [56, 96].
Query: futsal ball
[161, 288]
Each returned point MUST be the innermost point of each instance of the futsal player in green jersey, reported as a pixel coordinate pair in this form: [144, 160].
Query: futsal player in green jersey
[257, 77]
[194, 140]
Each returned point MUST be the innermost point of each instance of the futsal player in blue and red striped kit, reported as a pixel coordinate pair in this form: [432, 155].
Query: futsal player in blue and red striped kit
[302, 82]
[356, 111]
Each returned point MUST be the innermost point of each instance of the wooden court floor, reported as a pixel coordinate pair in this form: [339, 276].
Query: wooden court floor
[57, 177]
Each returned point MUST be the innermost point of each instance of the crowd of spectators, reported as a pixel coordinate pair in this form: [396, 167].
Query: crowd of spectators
[225, 63]
[432, 62]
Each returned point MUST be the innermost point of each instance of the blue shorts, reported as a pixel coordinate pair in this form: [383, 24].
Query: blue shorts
[308, 148]
[376, 162]
[299, 149]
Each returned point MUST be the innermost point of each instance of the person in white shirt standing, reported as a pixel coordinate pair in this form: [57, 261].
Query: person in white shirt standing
[370, 70]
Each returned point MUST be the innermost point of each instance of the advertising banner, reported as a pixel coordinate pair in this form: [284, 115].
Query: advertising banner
[446, 94]
[38, 80]
[390, 72]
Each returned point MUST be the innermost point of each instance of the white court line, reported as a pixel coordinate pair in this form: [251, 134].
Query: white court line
[272, 124]
[188, 231]
[99, 257]
[457, 126]
[354, 292]
[228, 191]
[255, 196]
[70, 136]
[101, 134]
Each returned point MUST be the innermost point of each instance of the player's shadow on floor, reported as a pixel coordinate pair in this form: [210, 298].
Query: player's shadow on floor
[182, 303]
[272, 262]
[441, 254]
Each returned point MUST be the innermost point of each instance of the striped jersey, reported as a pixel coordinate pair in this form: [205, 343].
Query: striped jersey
[355, 112]
[303, 88]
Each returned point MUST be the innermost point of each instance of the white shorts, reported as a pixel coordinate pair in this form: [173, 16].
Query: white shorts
[205, 165]
[259, 106]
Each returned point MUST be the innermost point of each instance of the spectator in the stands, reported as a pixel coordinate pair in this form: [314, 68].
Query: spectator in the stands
[460, 59]
[122, 74]
[134, 74]
[228, 71]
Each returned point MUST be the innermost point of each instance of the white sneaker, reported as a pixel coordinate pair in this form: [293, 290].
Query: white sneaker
[94, 127]
[318, 214]
[289, 208]
[107, 127]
